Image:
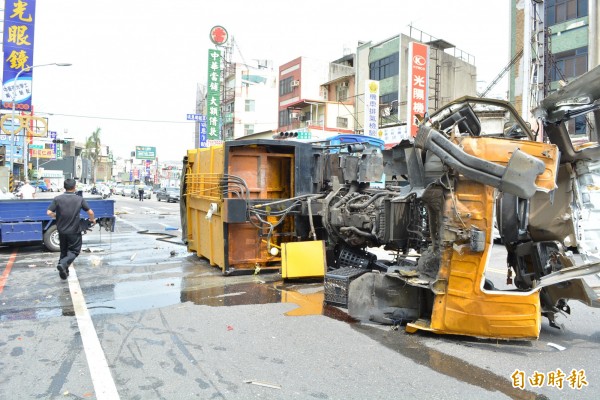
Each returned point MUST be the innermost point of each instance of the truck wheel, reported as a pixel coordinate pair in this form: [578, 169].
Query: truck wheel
[51, 240]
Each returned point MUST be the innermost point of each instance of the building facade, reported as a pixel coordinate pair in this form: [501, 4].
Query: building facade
[249, 99]
[316, 98]
[558, 40]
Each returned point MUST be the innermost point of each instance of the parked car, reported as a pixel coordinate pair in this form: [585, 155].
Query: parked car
[118, 189]
[127, 189]
[147, 192]
[169, 194]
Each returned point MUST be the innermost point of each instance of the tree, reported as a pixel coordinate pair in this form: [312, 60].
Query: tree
[92, 150]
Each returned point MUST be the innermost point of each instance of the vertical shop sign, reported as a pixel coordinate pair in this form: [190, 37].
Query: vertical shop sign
[213, 98]
[418, 85]
[371, 110]
[19, 21]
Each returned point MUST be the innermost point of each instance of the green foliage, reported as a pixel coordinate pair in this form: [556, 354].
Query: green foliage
[92, 150]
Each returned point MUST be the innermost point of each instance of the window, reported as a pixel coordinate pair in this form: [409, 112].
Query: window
[388, 98]
[249, 105]
[284, 118]
[385, 67]
[342, 122]
[248, 129]
[578, 125]
[569, 64]
[285, 86]
[558, 11]
[341, 93]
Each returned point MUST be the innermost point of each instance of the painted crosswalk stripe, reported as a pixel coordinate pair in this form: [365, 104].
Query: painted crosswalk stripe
[104, 384]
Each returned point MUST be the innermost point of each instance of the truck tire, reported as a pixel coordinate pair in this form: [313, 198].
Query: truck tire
[51, 240]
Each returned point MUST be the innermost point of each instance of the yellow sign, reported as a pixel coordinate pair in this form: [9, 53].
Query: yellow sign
[42, 153]
[35, 126]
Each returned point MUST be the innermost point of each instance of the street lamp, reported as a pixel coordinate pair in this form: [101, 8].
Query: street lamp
[14, 96]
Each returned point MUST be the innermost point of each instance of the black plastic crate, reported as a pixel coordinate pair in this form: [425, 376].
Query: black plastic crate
[337, 283]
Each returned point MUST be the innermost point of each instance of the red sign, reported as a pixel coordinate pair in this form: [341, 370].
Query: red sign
[218, 35]
[418, 84]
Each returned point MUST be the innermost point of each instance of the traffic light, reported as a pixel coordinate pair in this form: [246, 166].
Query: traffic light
[60, 141]
[2, 155]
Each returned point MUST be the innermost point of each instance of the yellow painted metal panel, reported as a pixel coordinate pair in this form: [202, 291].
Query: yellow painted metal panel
[500, 150]
[303, 259]
[466, 309]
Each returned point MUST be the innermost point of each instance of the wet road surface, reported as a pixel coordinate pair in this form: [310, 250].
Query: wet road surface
[172, 327]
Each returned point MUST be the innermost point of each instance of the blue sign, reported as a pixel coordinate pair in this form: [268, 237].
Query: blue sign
[53, 145]
[203, 139]
[19, 22]
[17, 148]
[196, 117]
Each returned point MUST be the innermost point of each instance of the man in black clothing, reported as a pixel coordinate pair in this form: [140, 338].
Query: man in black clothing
[65, 208]
[140, 189]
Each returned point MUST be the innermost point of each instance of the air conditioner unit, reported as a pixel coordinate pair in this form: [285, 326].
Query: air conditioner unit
[294, 115]
[295, 83]
[344, 84]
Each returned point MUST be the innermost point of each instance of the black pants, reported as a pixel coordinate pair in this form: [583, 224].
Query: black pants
[141, 194]
[70, 247]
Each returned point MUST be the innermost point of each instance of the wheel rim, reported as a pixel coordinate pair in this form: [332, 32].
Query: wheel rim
[54, 239]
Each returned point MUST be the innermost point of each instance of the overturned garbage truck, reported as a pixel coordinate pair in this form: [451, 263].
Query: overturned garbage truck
[432, 202]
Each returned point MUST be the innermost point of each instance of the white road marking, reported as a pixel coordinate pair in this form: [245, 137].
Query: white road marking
[496, 270]
[104, 384]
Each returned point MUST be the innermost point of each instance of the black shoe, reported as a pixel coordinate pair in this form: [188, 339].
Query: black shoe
[61, 272]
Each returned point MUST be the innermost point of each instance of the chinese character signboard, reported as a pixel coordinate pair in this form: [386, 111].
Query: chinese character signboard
[202, 129]
[53, 137]
[145, 153]
[19, 19]
[394, 135]
[41, 153]
[371, 111]
[218, 35]
[213, 98]
[418, 84]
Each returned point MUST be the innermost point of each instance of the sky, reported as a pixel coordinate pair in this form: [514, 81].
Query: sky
[136, 64]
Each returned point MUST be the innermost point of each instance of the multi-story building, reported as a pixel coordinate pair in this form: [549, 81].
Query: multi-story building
[249, 99]
[452, 74]
[319, 99]
[558, 40]
[316, 97]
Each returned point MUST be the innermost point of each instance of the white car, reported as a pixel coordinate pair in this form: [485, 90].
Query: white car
[127, 189]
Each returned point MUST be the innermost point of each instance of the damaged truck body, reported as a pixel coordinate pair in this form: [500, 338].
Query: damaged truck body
[432, 202]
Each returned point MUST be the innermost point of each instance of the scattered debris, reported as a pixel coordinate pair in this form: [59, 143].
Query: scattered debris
[229, 327]
[170, 228]
[95, 261]
[32, 265]
[269, 385]
[556, 346]
[92, 250]
[173, 253]
[132, 256]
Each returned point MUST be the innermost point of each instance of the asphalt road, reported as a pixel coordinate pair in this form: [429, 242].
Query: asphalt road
[141, 318]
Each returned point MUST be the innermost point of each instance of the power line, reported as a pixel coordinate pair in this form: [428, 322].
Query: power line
[132, 119]
[117, 119]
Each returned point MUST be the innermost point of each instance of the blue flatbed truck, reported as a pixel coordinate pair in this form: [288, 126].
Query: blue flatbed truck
[24, 221]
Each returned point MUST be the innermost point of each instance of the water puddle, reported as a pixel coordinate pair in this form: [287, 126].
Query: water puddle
[412, 347]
